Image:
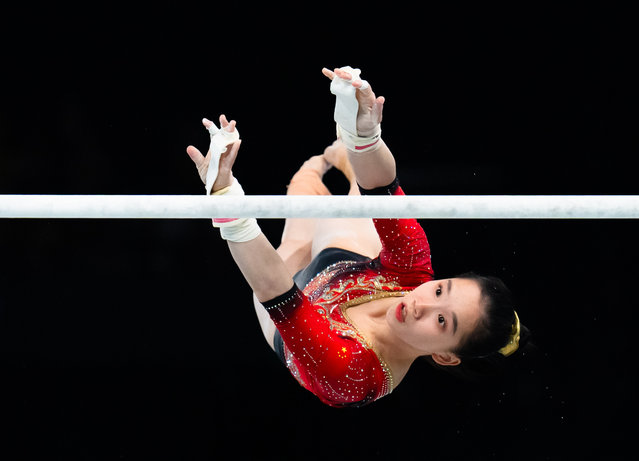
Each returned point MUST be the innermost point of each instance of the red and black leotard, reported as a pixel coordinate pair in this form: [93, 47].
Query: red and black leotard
[322, 349]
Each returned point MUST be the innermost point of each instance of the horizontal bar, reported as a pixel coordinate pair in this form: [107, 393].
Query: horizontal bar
[335, 206]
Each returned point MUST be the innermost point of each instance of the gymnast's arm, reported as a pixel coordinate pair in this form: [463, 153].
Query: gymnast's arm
[262, 267]
[258, 261]
[374, 168]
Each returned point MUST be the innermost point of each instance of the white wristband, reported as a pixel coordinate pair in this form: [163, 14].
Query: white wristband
[220, 140]
[236, 229]
[242, 230]
[356, 143]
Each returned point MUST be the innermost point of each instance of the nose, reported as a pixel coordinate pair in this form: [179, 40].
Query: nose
[421, 309]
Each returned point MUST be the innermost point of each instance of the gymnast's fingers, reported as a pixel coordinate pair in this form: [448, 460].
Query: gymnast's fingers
[378, 109]
[365, 95]
[231, 153]
[343, 74]
[363, 86]
[227, 160]
[207, 123]
[228, 126]
[195, 155]
[328, 73]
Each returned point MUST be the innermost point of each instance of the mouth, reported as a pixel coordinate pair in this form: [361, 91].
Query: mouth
[400, 312]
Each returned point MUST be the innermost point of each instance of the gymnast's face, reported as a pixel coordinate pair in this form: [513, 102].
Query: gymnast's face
[433, 318]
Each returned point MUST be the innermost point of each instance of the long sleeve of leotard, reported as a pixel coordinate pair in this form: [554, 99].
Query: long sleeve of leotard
[405, 248]
[328, 357]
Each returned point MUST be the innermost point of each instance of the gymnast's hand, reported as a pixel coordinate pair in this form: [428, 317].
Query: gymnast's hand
[369, 114]
[227, 159]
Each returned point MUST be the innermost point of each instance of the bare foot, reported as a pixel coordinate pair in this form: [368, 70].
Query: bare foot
[318, 163]
[337, 156]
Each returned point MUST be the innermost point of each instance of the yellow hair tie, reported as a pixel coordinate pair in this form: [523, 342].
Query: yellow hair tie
[513, 342]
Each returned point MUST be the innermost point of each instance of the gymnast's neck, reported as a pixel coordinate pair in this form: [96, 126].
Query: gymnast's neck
[370, 319]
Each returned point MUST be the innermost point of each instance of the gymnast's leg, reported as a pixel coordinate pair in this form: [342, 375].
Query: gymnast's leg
[297, 236]
[354, 234]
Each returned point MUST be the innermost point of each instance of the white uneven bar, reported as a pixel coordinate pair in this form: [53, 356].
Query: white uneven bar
[337, 206]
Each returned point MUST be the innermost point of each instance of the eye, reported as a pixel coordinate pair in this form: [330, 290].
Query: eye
[441, 319]
[438, 292]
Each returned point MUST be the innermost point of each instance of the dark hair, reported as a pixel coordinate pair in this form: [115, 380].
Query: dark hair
[494, 327]
[479, 349]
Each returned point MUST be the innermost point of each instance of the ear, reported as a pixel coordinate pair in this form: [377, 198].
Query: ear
[446, 359]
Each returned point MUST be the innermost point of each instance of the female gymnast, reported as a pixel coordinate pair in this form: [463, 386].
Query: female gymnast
[349, 304]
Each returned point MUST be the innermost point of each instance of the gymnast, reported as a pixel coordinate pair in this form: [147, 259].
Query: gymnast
[349, 304]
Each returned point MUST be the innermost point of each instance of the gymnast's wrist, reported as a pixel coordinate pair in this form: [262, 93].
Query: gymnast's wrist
[359, 143]
[236, 229]
[222, 186]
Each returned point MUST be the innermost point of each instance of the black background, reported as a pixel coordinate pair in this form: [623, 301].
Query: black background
[134, 339]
